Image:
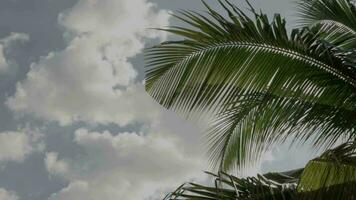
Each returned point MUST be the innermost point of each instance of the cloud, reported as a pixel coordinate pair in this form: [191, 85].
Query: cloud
[125, 19]
[129, 166]
[16, 146]
[78, 84]
[92, 79]
[54, 165]
[6, 44]
[8, 195]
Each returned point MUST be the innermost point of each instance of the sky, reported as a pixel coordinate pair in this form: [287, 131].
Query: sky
[75, 121]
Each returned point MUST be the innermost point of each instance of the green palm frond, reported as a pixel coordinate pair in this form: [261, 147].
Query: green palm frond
[264, 84]
[277, 186]
[332, 175]
[340, 12]
[249, 128]
[334, 21]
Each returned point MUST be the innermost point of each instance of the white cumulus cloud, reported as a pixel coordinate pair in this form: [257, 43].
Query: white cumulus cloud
[54, 165]
[8, 195]
[92, 79]
[131, 166]
[17, 145]
[78, 84]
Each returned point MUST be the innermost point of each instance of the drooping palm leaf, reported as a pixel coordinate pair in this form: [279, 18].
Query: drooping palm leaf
[237, 134]
[332, 175]
[277, 186]
[243, 69]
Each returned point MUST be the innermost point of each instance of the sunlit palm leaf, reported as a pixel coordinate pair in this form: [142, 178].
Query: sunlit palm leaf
[331, 175]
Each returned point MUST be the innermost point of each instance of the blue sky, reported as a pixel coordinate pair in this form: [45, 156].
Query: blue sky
[75, 121]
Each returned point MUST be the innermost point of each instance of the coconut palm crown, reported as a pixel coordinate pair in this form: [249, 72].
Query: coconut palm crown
[265, 84]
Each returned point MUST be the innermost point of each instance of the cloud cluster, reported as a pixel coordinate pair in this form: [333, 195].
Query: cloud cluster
[79, 84]
[8, 195]
[92, 80]
[55, 166]
[16, 146]
[6, 44]
[127, 166]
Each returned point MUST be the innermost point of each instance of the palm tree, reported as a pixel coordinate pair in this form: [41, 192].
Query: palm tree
[264, 85]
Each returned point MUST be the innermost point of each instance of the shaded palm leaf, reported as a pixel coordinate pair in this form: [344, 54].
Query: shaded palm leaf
[331, 175]
[277, 186]
[328, 177]
[249, 128]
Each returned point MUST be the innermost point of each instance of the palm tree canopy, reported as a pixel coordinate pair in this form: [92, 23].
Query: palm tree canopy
[264, 84]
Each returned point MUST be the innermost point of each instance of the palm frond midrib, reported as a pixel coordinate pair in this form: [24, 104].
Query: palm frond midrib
[270, 48]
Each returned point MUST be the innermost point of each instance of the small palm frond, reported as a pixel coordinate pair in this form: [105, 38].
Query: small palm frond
[334, 22]
[332, 175]
[342, 12]
[334, 11]
[252, 74]
[278, 186]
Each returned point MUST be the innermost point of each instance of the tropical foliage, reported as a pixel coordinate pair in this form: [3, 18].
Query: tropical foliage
[265, 84]
[330, 176]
